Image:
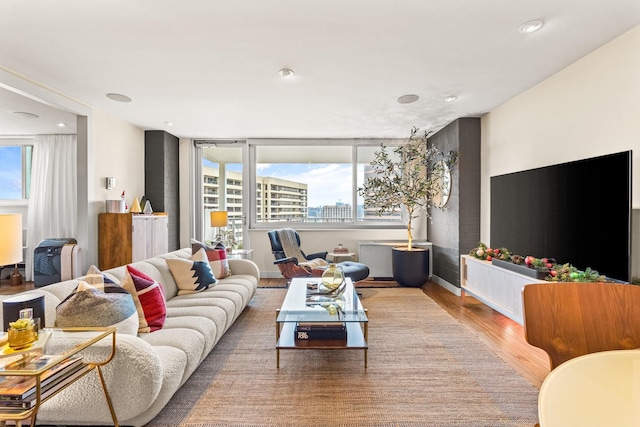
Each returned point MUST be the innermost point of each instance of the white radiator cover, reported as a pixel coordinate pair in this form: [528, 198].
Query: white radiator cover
[376, 254]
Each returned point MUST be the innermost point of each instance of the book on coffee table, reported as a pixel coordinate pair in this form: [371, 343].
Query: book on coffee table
[320, 331]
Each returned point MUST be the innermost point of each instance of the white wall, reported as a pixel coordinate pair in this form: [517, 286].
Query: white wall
[119, 152]
[589, 109]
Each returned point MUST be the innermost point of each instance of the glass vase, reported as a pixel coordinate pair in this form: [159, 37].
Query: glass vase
[333, 277]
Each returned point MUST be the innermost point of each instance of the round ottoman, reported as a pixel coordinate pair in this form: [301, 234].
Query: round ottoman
[354, 270]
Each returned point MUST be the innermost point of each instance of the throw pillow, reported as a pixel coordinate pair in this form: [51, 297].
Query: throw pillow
[217, 258]
[96, 278]
[192, 275]
[98, 306]
[148, 296]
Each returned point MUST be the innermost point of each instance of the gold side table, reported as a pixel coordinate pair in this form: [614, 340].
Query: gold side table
[68, 342]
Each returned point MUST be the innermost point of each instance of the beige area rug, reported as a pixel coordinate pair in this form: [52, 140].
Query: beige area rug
[425, 369]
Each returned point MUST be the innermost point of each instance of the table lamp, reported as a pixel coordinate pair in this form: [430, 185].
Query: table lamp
[219, 219]
[11, 244]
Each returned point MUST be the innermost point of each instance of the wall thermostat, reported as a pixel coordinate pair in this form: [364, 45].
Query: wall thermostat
[111, 183]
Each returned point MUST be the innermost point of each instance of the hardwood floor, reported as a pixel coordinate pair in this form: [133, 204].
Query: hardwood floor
[504, 336]
[7, 289]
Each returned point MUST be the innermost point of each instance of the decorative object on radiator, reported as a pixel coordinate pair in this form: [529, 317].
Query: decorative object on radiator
[340, 249]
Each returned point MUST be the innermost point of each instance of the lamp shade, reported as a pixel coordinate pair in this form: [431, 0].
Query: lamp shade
[219, 218]
[10, 239]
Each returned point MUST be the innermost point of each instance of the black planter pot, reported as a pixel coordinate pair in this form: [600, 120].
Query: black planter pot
[410, 267]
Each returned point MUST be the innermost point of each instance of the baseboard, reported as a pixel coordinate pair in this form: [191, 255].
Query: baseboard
[448, 286]
[271, 275]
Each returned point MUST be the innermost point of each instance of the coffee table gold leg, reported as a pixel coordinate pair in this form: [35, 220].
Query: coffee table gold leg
[107, 397]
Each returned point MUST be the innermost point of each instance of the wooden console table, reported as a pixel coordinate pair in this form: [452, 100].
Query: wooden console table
[497, 287]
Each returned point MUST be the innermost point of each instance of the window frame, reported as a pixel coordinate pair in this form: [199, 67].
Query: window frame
[254, 144]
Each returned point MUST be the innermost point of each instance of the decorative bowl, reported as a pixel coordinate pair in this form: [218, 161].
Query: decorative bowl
[20, 338]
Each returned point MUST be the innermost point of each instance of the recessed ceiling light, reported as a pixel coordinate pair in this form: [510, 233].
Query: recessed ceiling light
[450, 98]
[62, 125]
[531, 26]
[408, 99]
[26, 115]
[168, 123]
[286, 73]
[118, 97]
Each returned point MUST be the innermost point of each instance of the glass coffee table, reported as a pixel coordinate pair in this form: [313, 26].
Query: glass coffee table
[312, 318]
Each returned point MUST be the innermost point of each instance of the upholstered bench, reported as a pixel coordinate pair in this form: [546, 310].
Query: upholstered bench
[354, 270]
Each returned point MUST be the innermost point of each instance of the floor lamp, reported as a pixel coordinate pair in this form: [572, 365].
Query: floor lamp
[219, 219]
[11, 244]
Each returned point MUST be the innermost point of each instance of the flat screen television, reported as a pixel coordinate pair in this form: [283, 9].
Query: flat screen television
[577, 212]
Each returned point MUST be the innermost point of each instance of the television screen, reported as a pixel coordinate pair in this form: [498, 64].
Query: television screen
[577, 212]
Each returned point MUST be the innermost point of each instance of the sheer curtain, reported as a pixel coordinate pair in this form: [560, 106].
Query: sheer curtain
[53, 199]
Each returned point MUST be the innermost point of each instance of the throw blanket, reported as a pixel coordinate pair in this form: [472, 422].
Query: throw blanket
[287, 237]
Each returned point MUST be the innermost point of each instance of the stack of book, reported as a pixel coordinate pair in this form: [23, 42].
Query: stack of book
[18, 393]
[320, 331]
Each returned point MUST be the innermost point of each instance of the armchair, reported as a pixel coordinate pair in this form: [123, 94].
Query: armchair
[290, 266]
[293, 262]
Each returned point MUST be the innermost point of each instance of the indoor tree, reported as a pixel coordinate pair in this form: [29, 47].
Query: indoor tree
[410, 175]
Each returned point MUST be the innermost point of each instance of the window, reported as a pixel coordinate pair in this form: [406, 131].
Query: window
[15, 171]
[222, 190]
[314, 184]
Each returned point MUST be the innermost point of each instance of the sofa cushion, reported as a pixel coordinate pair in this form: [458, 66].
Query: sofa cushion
[192, 275]
[217, 258]
[99, 305]
[148, 296]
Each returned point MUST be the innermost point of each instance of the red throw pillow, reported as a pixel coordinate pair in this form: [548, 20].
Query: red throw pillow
[148, 295]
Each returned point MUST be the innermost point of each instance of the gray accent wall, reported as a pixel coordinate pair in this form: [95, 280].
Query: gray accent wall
[161, 177]
[456, 229]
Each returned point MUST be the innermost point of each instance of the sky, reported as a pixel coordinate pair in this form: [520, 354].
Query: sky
[328, 184]
[10, 173]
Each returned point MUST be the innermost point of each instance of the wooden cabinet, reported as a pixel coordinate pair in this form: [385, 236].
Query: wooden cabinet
[127, 238]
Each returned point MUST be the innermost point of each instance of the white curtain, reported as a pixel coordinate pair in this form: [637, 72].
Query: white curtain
[53, 198]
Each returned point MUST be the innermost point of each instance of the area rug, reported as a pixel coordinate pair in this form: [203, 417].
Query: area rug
[425, 369]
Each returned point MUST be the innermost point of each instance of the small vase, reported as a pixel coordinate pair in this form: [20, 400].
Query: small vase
[332, 277]
[20, 338]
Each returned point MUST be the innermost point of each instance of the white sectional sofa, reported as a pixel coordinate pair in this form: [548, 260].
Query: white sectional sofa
[149, 368]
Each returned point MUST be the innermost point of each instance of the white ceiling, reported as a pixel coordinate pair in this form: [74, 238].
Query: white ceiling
[211, 67]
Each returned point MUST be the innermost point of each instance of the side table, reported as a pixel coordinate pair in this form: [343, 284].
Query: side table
[342, 256]
[66, 342]
[241, 253]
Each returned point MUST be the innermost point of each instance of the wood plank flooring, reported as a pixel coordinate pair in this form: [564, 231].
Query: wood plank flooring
[504, 336]
[501, 334]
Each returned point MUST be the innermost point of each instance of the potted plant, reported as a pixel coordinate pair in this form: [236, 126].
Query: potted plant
[411, 175]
